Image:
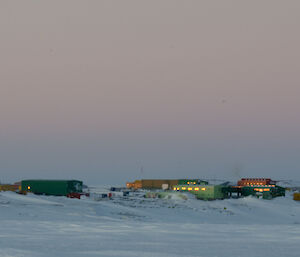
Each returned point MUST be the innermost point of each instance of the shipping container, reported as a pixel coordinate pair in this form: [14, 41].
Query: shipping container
[52, 187]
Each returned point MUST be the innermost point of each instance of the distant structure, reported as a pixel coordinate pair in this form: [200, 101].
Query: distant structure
[256, 182]
[162, 183]
[69, 188]
[265, 188]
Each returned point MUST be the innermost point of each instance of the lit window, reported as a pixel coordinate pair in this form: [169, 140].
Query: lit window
[190, 188]
[28, 187]
[203, 188]
[196, 188]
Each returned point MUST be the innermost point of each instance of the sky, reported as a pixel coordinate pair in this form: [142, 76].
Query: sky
[113, 91]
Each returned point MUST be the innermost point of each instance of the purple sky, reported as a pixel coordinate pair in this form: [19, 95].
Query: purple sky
[96, 90]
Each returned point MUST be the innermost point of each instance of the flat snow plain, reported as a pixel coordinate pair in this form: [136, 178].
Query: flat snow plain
[46, 226]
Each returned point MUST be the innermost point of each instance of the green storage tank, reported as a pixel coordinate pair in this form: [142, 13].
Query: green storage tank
[52, 187]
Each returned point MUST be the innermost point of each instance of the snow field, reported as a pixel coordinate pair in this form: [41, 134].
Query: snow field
[45, 226]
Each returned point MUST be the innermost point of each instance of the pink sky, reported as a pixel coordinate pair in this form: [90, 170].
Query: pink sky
[97, 89]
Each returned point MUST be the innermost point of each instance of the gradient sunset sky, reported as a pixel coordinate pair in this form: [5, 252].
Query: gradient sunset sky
[112, 91]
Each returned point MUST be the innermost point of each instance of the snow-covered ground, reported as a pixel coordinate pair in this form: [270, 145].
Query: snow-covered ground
[39, 226]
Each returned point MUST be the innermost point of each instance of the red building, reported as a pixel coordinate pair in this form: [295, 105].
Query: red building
[256, 182]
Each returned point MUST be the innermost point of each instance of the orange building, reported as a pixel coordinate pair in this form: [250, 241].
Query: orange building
[134, 185]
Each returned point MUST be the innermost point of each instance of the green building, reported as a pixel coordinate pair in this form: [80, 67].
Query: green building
[52, 187]
[192, 182]
[211, 192]
[264, 191]
[204, 192]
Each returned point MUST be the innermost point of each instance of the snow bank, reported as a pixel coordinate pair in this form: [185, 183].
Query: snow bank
[45, 226]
